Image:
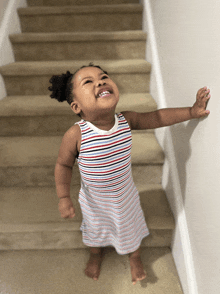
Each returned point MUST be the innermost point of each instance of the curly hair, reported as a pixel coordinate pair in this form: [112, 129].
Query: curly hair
[62, 85]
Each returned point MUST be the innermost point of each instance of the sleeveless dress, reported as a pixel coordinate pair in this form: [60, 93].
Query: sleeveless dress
[109, 200]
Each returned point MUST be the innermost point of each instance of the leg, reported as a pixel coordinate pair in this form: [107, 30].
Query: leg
[137, 270]
[94, 264]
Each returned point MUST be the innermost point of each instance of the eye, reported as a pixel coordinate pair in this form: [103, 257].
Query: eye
[88, 81]
[104, 77]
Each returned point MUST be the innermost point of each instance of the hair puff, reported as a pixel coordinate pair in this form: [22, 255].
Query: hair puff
[61, 87]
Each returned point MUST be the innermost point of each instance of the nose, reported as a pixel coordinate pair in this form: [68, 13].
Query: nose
[101, 83]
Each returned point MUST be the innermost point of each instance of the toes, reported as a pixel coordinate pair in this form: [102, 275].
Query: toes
[92, 271]
[88, 274]
[142, 277]
[95, 277]
[92, 276]
[139, 277]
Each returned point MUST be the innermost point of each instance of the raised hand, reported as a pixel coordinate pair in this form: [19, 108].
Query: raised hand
[199, 108]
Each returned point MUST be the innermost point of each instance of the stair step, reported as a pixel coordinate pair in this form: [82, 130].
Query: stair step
[36, 205]
[32, 78]
[30, 161]
[41, 115]
[41, 237]
[81, 18]
[43, 151]
[13, 106]
[43, 176]
[77, 2]
[61, 271]
[33, 212]
[67, 46]
[62, 236]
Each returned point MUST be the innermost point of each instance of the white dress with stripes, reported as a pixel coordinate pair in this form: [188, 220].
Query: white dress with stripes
[109, 200]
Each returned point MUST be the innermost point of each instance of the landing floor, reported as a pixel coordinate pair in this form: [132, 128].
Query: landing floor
[61, 272]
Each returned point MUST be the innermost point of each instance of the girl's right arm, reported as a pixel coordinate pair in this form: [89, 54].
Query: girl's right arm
[63, 170]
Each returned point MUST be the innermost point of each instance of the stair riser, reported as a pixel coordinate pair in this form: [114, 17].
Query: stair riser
[73, 50]
[43, 151]
[54, 125]
[77, 2]
[81, 22]
[32, 176]
[19, 206]
[44, 176]
[36, 126]
[38, 85]
[68, 240]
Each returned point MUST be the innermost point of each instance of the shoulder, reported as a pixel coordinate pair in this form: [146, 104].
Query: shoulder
[130, 117]
[72, 139]
[73, 133]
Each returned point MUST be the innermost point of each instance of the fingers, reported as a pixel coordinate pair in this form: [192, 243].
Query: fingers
[203, 94]
[199, 107]
[68, 214]
[72, 212]
[66, 208]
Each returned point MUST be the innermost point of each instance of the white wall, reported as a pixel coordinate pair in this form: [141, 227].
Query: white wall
[188, 43]
[3, 4]
[9, 24]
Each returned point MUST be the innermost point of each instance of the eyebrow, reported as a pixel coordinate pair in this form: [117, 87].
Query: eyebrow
[89, 77]
[86, 78]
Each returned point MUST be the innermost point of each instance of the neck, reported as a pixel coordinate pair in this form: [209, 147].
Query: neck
[104, 123]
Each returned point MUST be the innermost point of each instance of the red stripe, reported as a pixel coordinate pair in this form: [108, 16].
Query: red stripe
[103, 164]
[106, 154]
[102, 180]
[109, 171]
[108, 136]
[103, 145]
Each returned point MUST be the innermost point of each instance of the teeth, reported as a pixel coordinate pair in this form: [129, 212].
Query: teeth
[104, 93]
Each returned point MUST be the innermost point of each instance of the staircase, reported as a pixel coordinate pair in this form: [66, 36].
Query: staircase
[60, 35]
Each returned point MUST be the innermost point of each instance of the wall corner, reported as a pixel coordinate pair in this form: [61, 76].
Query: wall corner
[9, 25]
[181, 247]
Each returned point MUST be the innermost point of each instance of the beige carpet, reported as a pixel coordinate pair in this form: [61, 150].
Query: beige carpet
[62, 271]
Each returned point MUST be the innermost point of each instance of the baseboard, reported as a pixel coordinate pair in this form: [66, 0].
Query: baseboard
[181, 247]
[10, 25]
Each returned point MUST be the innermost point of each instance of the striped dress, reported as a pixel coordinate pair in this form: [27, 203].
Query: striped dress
[109, 200]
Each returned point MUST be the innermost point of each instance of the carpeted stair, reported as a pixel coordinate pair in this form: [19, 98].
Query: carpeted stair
[60, 35]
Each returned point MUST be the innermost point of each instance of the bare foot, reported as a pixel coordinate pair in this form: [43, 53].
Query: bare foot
[137, 270]
[94, 264]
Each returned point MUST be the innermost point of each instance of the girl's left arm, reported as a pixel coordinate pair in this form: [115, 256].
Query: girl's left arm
[169, 116]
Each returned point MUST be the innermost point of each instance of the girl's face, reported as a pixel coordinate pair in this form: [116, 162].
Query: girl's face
[94, 93]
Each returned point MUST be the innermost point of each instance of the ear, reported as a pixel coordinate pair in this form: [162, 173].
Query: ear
[75, 107]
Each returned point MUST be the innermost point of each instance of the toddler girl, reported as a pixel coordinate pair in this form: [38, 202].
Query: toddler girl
[101, 143]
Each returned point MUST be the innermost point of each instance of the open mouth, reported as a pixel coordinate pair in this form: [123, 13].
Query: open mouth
[104, 93]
